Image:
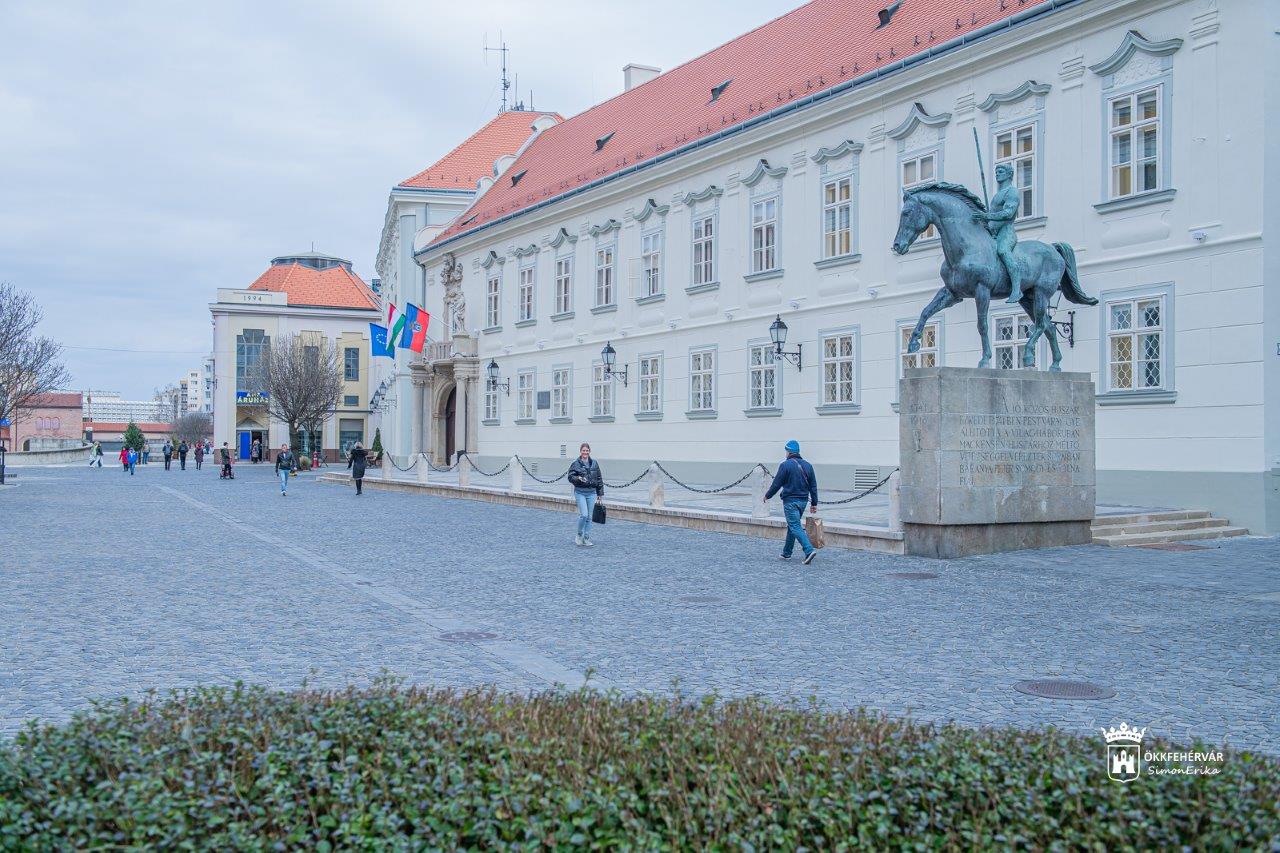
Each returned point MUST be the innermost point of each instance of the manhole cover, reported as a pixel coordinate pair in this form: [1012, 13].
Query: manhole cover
[467, 636]
[913, 576]
[1174, 546]
[701, 599]
[1062, 688]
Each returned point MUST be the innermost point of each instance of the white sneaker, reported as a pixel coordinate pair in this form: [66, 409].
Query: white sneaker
[588, 543]
[577, 540]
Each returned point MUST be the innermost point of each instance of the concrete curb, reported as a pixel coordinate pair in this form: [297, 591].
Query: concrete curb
[852, 536]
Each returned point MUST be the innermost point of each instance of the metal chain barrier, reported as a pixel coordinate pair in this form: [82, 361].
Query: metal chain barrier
[628, 484]
[427, 459]
[484, 473]
[861, 494]
[539, 479]
[392, 459]
[737, 482]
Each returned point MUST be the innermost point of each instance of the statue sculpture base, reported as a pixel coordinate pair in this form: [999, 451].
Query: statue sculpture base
[995, 460]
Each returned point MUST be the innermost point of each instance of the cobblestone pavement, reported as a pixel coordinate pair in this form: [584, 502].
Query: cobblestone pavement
[110, 585]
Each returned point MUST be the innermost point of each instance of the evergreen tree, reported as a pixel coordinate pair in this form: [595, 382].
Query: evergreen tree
[376, 447]
[133, 437]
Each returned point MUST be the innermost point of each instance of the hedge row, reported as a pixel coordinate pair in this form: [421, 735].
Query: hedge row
[405, 768]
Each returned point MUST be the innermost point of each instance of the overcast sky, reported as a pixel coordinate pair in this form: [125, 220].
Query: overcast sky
[151, 153]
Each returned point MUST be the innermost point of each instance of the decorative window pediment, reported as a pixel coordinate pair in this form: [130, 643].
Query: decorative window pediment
[1137, 58]
[650, 208]
[491, 259]
[522, 251]
[847, 147]
[919, 129]
[1030, 89]
[561, 237]
[763, 168]
[712, 191]
[605, 227]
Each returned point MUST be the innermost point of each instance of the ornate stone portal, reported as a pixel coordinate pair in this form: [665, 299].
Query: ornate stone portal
[995, 460]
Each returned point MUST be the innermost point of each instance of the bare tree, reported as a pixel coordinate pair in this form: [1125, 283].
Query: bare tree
[193, 427]
[303, 381]
[30, 364]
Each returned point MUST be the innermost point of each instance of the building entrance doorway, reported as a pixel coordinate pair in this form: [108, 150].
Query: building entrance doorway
[247, 437]
[450, 408]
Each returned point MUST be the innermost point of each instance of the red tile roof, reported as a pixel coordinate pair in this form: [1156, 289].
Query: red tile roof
[816, 47]
[117, 426]
[473, 159]
[336, 287]
[58, 400]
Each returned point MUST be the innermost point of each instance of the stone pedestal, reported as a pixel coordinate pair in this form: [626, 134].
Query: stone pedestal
[995, 460]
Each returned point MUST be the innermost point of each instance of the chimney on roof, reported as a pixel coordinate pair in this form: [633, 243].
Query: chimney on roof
[634, 75]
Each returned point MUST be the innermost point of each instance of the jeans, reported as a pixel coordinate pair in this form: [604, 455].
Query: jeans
[586, 506]
[284, 479]
[131, 464]
[794, 511]
[182, 462]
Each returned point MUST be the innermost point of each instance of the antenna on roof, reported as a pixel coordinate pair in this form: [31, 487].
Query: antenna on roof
[506, 81]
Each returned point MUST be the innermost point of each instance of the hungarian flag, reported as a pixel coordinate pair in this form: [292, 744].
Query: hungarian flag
[416, 321]
[396, 325]
[379, 343]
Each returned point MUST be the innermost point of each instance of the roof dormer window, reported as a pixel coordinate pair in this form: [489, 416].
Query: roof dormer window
[717, 91]
[604, 140]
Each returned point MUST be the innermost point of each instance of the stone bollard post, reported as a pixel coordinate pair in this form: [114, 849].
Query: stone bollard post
[464, 471]
[517, 476]
[424, 470]
[657, 490]
[895, 500]
[759, 485]
[385, 463]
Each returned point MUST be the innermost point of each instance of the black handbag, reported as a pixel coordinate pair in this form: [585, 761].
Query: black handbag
[598, 514]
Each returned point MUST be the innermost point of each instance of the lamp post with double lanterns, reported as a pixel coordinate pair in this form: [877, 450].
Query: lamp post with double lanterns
[610, 357]
[778, 334]
[492, 373]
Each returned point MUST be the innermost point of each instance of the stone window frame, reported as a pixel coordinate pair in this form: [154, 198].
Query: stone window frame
[908, 324]
[1167, 393]
[711, 246]
[531, 389]
[564, 414]
[776, 269]
[493, 302]
[1009, 112]
[921, 135]
[347, 353]
[763, 411]
[610, 246]
[604, 397]
[702, 205]
[851, 407]
[836, 164]
[1136, 66]
[643, 414]
[563, 307]
[528, 269]
[643, 296]
[492, 405]
[697, 414]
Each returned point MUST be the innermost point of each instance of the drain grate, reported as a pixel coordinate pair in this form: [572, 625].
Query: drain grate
[1062, 688]
[467, 636]
[1174, 546]
[700, 599]
[913, 576]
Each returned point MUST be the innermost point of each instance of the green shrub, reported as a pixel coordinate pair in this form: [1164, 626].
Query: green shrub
[389, 767]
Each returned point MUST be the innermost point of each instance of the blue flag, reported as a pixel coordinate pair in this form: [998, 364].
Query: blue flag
[378, 342]
[412, 329]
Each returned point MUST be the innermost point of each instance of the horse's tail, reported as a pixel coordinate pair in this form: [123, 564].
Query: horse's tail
[1070, 284]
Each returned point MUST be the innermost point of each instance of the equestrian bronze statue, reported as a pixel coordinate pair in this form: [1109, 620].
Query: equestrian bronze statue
[980, 250]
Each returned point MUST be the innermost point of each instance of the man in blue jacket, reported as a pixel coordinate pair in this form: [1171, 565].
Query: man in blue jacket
[798, 484]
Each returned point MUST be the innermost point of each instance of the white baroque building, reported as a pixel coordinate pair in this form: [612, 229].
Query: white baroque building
[763, 179]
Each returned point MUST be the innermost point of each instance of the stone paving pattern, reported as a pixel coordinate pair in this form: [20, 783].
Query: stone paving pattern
[111, 585]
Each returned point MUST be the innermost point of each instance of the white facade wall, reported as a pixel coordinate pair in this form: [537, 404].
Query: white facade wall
[1205, 438]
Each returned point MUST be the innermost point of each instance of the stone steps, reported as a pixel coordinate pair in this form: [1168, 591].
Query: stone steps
[1154, 528]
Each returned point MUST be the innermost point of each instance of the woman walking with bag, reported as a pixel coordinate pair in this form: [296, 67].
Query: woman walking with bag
[356, 461]
[588, 487]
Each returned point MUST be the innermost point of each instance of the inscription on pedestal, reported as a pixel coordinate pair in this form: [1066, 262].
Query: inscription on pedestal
[1024, 445]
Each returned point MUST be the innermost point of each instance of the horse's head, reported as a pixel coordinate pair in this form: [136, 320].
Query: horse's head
[914, 219]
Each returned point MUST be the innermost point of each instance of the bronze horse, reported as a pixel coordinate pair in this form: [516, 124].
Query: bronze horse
[971, 269]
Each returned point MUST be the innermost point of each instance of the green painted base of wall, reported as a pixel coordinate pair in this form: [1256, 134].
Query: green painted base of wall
[1249, 500]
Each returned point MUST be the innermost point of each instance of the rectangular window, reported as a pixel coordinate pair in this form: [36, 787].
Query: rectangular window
[1011, 334]
[526, 388]
[764, 377]
[1135, 344]
[704, 250]
[493, 302]
[526, 296]
[650, 373]
[251, 348]
[561, 382]
[604, 276]
[1016, 148]
[920, 170]
[601, 392]
[490, 402]
[1135, 142]
[926, 356]
[564, 285]
[837, 217]
[350, 430]
[651, 264]
[351, 364]
[839, 370]
[764, 235]
[702, 380]
[351, 400]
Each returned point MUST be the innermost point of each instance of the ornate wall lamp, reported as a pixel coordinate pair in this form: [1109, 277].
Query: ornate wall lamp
[610, 357]
[492, 372]
[778, 334]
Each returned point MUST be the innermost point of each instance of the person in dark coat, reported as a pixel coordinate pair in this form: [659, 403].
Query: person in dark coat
[588, 486]
[286, 464]
[183, 450]
[167, 450]
[199, 454]
[799, 486]
[357, 459]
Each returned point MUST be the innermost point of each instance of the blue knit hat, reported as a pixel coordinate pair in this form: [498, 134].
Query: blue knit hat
[793, 446]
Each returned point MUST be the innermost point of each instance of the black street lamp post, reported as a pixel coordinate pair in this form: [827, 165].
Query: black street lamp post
[778, 334]
[492, 372]
[610, 358]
